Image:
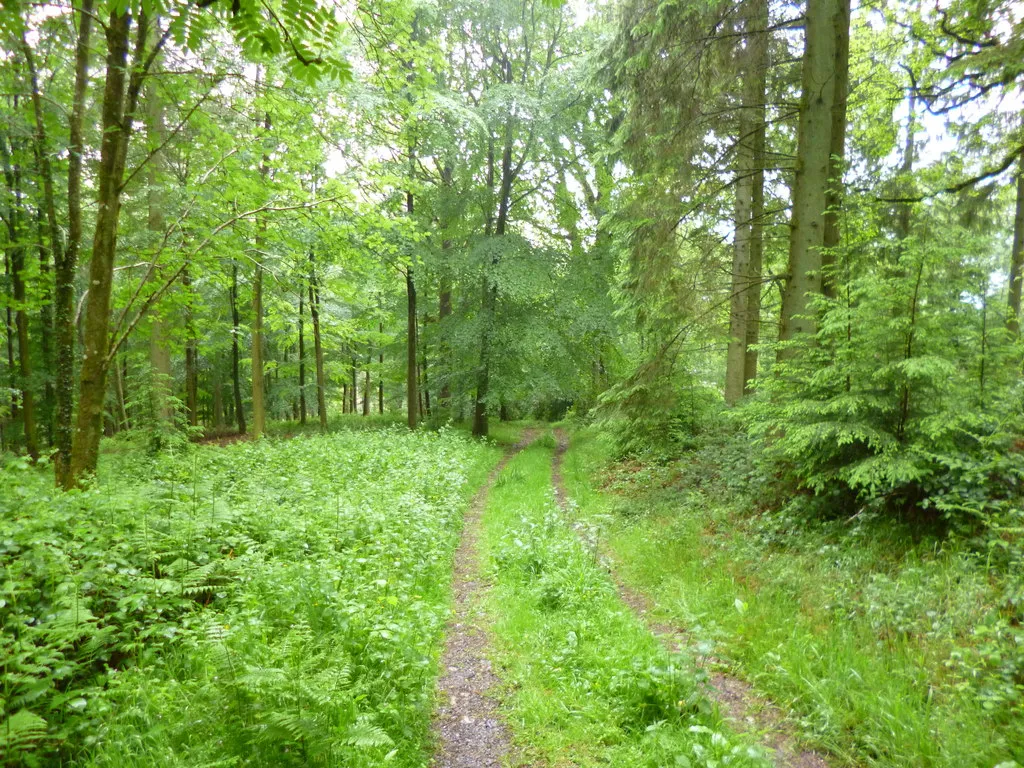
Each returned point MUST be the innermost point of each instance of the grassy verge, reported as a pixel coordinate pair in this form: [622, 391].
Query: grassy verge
[273, 603]
[587, 684]
[880, 644]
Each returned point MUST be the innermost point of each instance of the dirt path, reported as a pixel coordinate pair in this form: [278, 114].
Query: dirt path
[746, 710]
[466, 725]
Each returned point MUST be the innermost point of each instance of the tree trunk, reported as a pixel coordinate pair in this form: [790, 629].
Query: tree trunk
[66, 261]
[302, 361]
[49, 211]
[259, 414]
[380, 384]
[191, 356]
[1017, 255]
[16, 256]
[736, 355]
[366, 383]
[444, 310]
[235, 377]
[116, 122]
[259, 409]
[411, 385]
[318, 350]
[159, 342]
[354, 372]
[827, 33]
[837, 147]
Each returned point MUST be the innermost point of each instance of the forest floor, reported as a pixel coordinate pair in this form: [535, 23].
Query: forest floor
[420, 597]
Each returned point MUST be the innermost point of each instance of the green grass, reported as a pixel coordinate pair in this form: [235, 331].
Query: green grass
[269, 603]
[876, 641]
[586, 683]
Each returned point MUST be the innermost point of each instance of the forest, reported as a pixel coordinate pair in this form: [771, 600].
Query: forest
[468, 383]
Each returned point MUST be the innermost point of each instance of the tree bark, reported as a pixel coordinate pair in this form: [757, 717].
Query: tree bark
[259, 414]
[16, 256]
[259, 409]
[827, 31]
[66, 261]
[235, 377]
[117, 116]
[366, 383]
[49, 211]
[159, 342]
[318, 350]
[380, 380]
[1017, 255]
[191, 355]
[745, 300]
[302, 361]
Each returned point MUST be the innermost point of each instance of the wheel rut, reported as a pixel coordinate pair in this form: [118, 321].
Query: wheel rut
[742, 706]
[468, 731]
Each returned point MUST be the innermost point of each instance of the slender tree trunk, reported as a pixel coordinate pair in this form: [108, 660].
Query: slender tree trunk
[827, 32]
[259, 410]
[16, 251]
[1017, 255]
[444, 310]
[366, 383]
[191, 356]
[259, 414]
[217, 390]
[740, 285]
[66, 261]
[354, 373]
[302, 361]
[159, 341]
[235, 377]
[12, 368]
[49, 211]
[318, 350]
[380, 383]
[411, 389]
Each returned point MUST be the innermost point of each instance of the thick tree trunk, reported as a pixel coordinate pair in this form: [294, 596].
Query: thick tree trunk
[318, 350]
[116, 128]
[236, 379]
[66, 261]
[745, 310]
[837, 147]
[827, 33]
[1017, 255]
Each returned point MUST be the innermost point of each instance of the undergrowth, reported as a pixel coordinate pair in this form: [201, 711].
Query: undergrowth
[272, 603]
[587, 684]
[892, 643]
